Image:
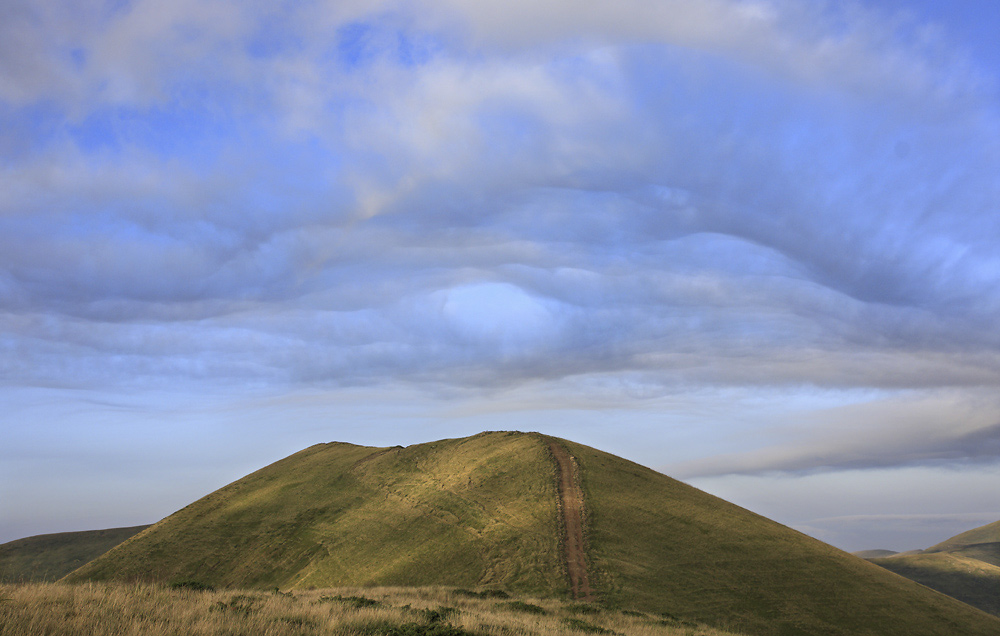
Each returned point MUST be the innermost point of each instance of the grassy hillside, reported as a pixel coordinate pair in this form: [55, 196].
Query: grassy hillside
[969, 580]
[662, 546]
[153, 610]
[486, 511]
[874, 554]
[990, 533]
[965, 567]
[47, 557]
[473, 511]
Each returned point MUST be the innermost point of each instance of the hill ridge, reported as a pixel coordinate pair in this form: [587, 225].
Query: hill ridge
[482, 512]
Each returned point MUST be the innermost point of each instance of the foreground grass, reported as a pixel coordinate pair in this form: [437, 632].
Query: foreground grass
[98, 609]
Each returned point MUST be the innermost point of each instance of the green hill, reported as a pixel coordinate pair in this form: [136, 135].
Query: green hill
[874, 554]
[516, 511]
[967, 579]
[965, 567]
[47, 557]
[990, 533]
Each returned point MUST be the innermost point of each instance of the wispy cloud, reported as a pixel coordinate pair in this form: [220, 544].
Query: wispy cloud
[953, 428]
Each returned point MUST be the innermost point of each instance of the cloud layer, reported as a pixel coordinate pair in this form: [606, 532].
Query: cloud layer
[476, 196]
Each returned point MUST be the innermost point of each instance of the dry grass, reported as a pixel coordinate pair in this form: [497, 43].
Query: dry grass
[110, 609]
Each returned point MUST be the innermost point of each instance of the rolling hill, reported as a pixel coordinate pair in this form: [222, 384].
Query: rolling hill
[982, 543]
[47, 557]
[965, 567]
[874, 554]
[532, 515]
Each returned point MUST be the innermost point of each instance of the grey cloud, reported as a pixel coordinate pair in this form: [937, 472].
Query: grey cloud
[949, 430]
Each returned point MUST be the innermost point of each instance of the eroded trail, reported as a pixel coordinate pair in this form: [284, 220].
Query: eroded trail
[571, 505]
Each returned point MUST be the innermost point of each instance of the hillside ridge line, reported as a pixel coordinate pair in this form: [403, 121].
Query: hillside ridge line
[571, 507]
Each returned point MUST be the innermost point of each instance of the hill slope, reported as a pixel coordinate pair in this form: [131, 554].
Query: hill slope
[969, 580]
[500, 510]
[990, 533]
[874, 554]
[47, 557]
[965, 567]
[474, 511]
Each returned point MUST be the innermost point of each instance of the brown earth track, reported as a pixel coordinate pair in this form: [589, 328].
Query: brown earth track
[571, 507]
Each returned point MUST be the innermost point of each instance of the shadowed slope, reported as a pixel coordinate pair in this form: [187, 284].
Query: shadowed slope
[483, 511]
[47, 557]
[969, 580]
[965, 567]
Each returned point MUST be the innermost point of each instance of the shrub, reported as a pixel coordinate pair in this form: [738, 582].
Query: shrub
[353, 601]
[521, 606]
[483, 594]
[197, 586]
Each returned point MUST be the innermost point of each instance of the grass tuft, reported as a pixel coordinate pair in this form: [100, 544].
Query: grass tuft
[484, 594]
[521, 606]
[196, 586]
[352, 601]
[583, 626]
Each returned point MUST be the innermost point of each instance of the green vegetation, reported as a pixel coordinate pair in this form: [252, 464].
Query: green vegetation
[988, 534]
[661, 546]
[48, 557]
[481, 514]
[969, 580]
[874, 554]
[471, 512]
[111, 609]
[521, 606]
[585, 627]
[965, 567]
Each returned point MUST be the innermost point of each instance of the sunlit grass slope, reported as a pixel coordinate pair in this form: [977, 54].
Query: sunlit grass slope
[981, 543]
[47, 557]
[481, 512]
[466, 512]
[969, 580]
[659, 545]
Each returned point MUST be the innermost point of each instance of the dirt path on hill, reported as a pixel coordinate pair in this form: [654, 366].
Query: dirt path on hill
[571, 507]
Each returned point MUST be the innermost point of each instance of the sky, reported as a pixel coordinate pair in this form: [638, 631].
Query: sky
[752, 244]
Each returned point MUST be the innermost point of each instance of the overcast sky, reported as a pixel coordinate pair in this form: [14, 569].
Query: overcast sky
[752, 244]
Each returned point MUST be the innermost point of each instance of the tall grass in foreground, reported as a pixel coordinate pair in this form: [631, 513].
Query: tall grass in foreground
[106, 609]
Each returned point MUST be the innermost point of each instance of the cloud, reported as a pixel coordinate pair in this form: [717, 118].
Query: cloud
[692, 193]
[945, 429]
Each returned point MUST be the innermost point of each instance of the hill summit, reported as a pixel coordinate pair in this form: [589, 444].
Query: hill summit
[529, 514]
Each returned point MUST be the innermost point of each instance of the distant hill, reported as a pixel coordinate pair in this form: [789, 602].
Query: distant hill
[982, 543]
[874, 554]
[47, 557]
[990, 533]
[529, 514]
[965, 567]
